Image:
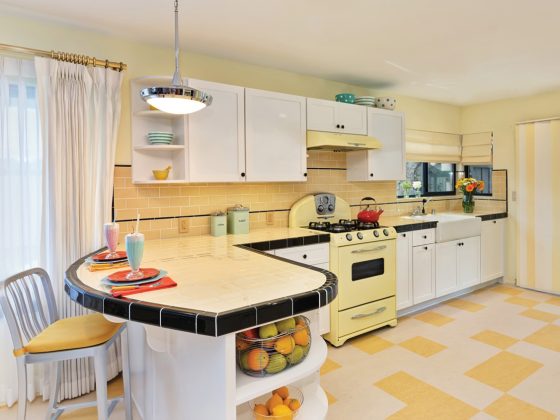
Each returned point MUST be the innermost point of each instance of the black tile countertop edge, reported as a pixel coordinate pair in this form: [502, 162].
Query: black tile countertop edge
[201, 322]
[431, 225]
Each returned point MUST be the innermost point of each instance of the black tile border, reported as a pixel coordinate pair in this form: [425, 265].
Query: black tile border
[209, 323]
[495, 216]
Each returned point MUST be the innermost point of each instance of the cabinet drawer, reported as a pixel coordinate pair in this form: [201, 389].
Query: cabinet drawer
[308, 254]
[423, 237]
[365, 316]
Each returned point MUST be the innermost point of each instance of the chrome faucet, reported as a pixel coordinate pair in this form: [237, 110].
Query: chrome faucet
[417, 211]
[424, 202]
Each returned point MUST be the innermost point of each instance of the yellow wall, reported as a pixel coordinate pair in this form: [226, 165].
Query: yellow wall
[143, 59]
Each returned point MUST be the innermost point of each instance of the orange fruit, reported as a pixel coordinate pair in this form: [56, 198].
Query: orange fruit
[283, 392]
[282, 412]
[285, 345]
[257, 359]
[301, 337]
[268, 344]
[261, 412]
[273, 402]
[287, 401]
[294, 405]
[241, 344]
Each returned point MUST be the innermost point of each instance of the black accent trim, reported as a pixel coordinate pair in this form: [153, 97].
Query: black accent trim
[415, 226]
[122, 165]
[330, 169]
[496, 216]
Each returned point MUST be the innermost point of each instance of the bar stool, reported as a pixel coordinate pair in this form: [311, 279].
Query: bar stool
[38, 336]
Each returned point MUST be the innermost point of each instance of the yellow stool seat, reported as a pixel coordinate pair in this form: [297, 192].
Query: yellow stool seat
[71, 333]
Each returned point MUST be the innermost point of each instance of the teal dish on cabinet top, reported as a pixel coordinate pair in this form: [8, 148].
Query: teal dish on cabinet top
[345, 97]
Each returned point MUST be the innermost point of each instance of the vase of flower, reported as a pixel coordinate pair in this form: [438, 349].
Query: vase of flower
[406, 186]
[468, 186]
[417, 185]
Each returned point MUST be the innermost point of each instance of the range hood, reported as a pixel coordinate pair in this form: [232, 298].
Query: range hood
[321, 140]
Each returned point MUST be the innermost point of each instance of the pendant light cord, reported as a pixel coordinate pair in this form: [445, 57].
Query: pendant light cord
[177, 76]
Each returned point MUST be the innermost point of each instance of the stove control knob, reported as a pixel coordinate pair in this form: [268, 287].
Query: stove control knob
[376, 233]
[385, 232]
[320, 208]
[359, 235]
[331, 207]
[349, 236]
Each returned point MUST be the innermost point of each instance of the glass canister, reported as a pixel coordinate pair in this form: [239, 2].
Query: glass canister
[218, 223]
[238, 219]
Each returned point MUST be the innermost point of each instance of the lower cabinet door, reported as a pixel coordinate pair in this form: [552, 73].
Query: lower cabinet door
[423, 273]
[404, 270]
[446, 267]
[366, 316]
[468, 262]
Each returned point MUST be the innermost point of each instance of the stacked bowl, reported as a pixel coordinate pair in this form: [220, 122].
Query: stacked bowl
[160, 137]
[365, 101]
[386, 103]
[345, 97]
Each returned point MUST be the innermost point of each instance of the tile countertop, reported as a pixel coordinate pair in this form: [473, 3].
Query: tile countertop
[221, 288]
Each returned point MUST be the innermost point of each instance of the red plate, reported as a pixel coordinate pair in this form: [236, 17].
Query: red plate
[101, 257]
[149, 273]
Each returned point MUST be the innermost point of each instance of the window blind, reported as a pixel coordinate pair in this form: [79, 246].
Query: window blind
[477, 149]
[429, 146]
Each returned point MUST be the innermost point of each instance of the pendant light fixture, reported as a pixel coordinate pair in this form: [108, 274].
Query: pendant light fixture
[177, 98]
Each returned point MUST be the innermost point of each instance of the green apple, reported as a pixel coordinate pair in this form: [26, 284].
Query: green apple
[286, 324]
[276, 364]
[267, 331]
[296, 355]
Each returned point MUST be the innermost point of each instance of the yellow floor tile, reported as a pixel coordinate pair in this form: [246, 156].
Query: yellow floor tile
[509, 408]
[370, 344]
[466, 305]
[434, 318]
[330, 398]
[516, 300]
[423, 400]
[495, 339]
[504, 370]
[540, 315]
[329, 366]
[422, 346]
[506, 290]
[547, 337]
[554, 301]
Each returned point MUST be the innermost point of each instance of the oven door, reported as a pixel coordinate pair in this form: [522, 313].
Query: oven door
[366, 273]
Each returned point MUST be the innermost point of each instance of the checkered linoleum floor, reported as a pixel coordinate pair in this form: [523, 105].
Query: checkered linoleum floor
[491, 354]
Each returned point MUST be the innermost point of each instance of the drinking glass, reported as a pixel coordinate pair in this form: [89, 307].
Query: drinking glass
[134, 243]
[111, 231]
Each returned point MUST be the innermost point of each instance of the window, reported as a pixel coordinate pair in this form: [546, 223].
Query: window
[435, 179]
[481, 173]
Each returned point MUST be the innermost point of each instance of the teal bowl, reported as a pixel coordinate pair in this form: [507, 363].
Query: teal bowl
[345, 97]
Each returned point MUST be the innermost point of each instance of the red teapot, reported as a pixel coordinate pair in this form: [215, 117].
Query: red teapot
[368, 215]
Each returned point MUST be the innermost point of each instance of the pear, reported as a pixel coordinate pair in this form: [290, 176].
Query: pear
[296, 355]
[267, 331]
[276, 364]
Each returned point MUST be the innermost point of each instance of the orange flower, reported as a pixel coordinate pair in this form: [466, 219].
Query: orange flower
[480, 185]
[469, 188]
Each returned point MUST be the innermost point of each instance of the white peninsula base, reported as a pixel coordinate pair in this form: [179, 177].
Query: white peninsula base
[178, 375]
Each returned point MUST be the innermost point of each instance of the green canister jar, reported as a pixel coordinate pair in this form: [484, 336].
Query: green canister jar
[218, 223]
[238, 219]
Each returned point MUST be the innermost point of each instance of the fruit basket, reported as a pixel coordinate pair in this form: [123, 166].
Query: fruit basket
[273, 347]
[282, 404]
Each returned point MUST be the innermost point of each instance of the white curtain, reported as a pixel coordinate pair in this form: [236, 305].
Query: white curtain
[20, 201]
[79, 109]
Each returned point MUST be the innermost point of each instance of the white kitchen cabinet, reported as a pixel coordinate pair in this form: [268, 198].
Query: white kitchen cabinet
[423, 273]
[457, 265]
[275, 137]
[216, 135]
[492, 249]
[316, 256]
[404, 270]
[336, 117]
[446, 267]
[387, 163]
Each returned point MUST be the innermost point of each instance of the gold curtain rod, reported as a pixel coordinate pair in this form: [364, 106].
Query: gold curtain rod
[67, 57]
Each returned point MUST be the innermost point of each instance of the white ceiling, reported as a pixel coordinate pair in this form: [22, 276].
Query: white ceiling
[452, 51]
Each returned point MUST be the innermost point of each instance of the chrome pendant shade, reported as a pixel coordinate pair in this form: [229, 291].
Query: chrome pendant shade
[177, 98]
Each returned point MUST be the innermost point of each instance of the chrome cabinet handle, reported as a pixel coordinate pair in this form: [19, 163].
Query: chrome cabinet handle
[378, 311]
[377, 248]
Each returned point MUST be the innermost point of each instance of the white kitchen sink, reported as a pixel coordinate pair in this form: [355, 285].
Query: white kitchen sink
[451, 226]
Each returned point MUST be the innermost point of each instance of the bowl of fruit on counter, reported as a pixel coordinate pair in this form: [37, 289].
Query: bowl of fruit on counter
[272, 348]
[281, 404]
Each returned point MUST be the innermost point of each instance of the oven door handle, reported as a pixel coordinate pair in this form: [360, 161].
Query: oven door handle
[377, 248]
[377, 311]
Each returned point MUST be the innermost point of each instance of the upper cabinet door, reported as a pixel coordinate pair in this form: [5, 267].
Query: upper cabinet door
[387, 163]
[216, 135]
[336, 117]
[275, 136]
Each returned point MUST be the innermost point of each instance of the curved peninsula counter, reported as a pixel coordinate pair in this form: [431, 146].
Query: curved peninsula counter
[182, 339]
